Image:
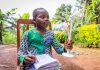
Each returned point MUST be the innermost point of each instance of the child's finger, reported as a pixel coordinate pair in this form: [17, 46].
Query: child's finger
[69, 47]
[27, 62]
[28, 59]
[32, 56]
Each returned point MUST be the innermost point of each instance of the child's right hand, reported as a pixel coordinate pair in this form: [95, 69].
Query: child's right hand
[30, 59]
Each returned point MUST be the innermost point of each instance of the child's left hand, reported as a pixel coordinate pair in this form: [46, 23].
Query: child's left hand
[68, 45]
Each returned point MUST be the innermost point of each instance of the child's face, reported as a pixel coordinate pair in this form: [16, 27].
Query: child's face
[42, 19]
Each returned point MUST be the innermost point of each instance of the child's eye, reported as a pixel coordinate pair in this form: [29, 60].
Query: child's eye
[42, 17]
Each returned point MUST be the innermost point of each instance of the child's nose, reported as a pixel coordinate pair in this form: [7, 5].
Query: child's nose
[46, 19]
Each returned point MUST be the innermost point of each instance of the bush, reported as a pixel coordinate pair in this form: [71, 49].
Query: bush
[9, 38]
[61, 36]
[89, 35]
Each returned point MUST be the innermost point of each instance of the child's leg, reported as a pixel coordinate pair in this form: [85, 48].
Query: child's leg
[30, 67]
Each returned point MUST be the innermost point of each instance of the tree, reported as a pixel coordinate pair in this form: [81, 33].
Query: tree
[6, 18]
[63, 12]
[90, 10]
[82, 6]
[97, 8]
[24, 16]
[0, 26]
[90, 13]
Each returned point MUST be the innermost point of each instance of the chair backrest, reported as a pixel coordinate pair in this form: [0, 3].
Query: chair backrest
[21, 21]
[27, 22]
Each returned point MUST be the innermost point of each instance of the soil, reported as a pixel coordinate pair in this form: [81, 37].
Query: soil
[87, 59]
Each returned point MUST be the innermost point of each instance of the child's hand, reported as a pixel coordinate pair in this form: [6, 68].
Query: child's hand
[68, 45]
[29, 59]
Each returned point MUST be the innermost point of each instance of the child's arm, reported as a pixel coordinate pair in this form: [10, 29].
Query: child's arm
[23, 53]
[57, 46]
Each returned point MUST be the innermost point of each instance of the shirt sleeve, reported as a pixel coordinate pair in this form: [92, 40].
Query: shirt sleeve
[22, 52]
[57, 46]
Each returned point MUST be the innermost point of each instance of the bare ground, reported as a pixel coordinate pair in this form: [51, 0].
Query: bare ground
[88, 59]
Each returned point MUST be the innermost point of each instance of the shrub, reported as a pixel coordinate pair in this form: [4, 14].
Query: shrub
[61, 36]
[89, 35]
[9, 38]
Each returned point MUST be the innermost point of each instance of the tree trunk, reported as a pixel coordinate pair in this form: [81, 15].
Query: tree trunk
[0, 32]
[97, 9]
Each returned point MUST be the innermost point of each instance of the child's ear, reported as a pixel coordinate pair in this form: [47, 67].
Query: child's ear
[34, 22]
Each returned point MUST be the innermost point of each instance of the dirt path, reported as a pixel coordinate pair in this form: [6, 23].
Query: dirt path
[84, 61]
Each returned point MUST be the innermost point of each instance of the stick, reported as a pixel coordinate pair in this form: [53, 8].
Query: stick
[69, 33]
[4, 66]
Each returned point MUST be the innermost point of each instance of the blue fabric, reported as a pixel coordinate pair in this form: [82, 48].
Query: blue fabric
[99, 27]
[30, 67]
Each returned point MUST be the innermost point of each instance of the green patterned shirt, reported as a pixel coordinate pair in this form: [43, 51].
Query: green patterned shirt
[35, 43]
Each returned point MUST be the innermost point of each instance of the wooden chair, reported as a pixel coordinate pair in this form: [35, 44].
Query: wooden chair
[27, 22]
[21, 21]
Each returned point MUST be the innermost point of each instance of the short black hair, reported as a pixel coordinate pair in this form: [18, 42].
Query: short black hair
[35, 12]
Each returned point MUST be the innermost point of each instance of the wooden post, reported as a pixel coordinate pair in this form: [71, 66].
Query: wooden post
[18, 39]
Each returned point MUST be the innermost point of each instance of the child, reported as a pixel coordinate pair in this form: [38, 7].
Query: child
[39, 40]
